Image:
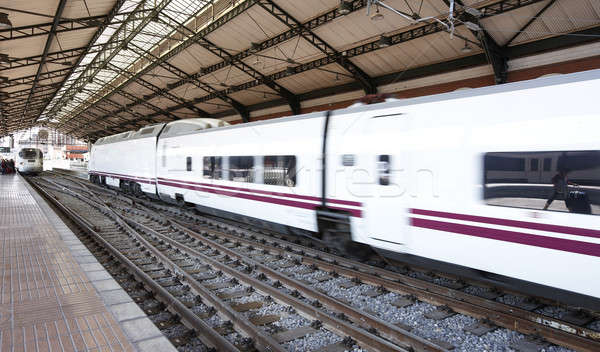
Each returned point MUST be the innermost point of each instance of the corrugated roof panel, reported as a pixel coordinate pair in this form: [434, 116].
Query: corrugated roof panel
[254, 25]
[213, 106]
[24, 47]
[255, 95]
[78, 9]
[315, 79]
[357, 26]
[275, 59]
[229, 76]
[73, 39]
[193, 58]
[432, 48]
[562, 18]
[505, 26]
[306, 9]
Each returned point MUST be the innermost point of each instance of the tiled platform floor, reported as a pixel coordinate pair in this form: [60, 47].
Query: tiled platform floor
[54, 295]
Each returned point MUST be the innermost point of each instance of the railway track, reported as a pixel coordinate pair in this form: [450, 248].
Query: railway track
[337, 290]
[193, 273]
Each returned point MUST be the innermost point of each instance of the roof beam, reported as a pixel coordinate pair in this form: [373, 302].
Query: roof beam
[365, 81]
[241, 7]
[413, 33]
[62, 25]
[51, 35]
[30, 79]
[157, 90]
[53, 57]
[111, 15]
[496, 55]
[531, 20]
[239, 107]
[134, 23]
[237, 9]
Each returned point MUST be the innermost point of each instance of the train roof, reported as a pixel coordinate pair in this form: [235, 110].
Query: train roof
[173, 128]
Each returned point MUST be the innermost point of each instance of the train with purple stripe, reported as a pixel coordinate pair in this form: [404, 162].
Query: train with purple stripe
[501, 183]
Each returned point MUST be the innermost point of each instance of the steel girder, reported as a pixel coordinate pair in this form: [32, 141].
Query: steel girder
[51, 35]
[157, 90]
[414, 33]
[495, 54]
[239, 107]
[526, 25]
[54, 57]
[29, 79]
[113, 12]
[134, 23]
[365, 81]
[63, 25]
[218, 22]
[242, 6]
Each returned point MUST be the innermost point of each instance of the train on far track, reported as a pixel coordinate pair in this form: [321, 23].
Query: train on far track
[502, 182]
[29, 161]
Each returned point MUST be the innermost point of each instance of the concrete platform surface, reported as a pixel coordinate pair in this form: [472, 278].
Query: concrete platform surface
[55, 296]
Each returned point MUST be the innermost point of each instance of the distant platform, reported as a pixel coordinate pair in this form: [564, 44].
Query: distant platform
[55, 295]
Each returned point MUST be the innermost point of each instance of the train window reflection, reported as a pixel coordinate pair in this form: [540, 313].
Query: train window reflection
[241, 168]
[569, 181]
[280, 170]
[212, 167]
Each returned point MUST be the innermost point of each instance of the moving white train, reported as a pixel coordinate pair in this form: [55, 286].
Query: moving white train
[444, 180]
[29, 161]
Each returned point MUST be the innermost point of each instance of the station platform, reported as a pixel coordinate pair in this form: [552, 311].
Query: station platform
[55, 296]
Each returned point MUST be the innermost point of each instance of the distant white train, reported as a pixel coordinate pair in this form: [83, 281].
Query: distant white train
[461, 178]
[29, 161]
[6, 153]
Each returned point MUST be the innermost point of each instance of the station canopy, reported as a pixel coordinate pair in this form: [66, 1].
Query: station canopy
[92, 68]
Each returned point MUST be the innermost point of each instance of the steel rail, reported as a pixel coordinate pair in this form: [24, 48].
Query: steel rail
[264, 341]
[554, 330]
[205, 332]
[392, 332]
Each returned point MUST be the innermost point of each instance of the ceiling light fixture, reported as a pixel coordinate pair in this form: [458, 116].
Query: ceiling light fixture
[344, 8]
[4, 21]
[384, 41]
[377, 16]
[467, 48]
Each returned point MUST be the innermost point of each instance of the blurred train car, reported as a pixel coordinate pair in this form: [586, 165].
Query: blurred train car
[448, 181]
[29, 161]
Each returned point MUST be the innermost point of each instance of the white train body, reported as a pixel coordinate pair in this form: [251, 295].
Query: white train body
[448, 177]
[29, 161]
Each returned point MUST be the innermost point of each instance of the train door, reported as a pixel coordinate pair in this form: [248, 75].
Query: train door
[386, 207]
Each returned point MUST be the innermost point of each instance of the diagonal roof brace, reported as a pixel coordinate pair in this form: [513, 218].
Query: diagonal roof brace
[362, 77]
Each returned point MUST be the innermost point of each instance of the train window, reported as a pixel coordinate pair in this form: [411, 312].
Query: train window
[534, 164]
[571, 185]
[241, 168]
[547, 164]
[213, 167]
[383, 169]
[28, 154]
[188, 163]
[348, 160]
[280, 170]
